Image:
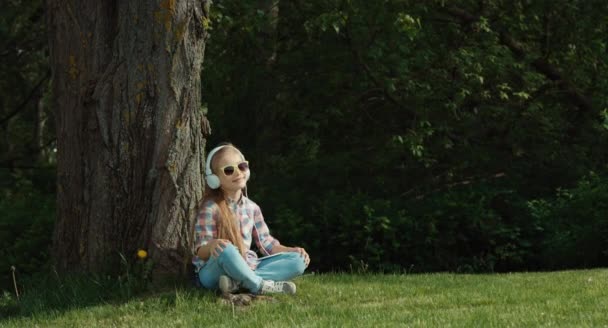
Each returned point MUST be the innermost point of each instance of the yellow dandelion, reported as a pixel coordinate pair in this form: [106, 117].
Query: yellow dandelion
[142, 254]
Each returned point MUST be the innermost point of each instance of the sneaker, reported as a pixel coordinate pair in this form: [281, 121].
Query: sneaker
[286, 287]
[227, 285]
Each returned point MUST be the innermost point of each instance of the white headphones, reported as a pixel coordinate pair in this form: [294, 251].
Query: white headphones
[213, 181]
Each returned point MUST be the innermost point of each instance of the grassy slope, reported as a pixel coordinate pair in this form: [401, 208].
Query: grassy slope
[568, 298]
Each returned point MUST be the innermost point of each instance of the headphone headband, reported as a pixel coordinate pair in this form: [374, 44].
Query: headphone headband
[213, 180]
[208, 170]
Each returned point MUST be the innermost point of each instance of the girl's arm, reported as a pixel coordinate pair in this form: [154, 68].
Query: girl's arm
[205, 231]
[280, 248]
[261, 234]
[213, 247]
[203, 252]
[270, 245]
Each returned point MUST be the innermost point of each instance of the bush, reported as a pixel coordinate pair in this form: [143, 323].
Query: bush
[467, 229]
[476, 229]
[577, 225]
[26, 227]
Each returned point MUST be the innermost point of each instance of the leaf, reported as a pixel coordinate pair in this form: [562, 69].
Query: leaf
[336, 28]
[522, 94]
[604, 115]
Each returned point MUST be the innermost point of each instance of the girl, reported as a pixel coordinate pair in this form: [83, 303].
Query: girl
[225, 228]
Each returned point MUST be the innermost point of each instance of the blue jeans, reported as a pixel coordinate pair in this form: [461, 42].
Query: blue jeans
[282, 266]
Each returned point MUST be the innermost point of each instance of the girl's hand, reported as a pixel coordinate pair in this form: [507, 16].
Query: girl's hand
[217, 246]
[303, 253]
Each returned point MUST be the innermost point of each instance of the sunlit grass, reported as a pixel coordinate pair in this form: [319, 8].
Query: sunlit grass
[567, 298]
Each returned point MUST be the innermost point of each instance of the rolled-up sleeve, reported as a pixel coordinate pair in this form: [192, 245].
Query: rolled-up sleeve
[205, 226]
[261, 233]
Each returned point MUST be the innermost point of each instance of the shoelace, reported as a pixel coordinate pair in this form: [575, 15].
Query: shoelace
[276, 287]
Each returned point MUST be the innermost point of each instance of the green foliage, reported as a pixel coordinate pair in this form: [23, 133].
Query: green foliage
[26, 120]
[473, 229]
[363, 121]
[477, 229]
[26, 226]
[577, 224]
[383, 135]
[135, 276]
[27, 177]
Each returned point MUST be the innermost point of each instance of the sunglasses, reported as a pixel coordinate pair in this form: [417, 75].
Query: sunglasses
[230, 169]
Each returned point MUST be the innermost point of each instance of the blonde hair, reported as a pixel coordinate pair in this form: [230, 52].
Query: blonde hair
[227, 225]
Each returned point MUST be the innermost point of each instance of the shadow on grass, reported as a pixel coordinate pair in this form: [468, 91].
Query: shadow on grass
[52, 295]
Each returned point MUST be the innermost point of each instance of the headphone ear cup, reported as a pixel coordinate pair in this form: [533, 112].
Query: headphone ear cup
[213, 181]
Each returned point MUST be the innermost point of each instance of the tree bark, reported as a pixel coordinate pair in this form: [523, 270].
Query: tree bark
[130, 130]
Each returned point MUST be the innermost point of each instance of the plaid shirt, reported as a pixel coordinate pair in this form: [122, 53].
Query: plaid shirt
[247, 213]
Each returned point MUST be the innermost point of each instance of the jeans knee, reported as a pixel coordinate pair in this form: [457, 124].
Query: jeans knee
[298, 265]
[230, 252]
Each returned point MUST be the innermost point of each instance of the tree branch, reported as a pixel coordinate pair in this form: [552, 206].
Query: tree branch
[373, 78]
[541, 65]
[465, 182]
[10, 162]
[27, 99]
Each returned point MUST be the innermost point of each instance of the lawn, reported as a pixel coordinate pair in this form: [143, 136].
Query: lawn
[565, 298]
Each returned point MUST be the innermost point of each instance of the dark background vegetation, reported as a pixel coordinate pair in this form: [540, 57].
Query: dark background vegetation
[466, 136]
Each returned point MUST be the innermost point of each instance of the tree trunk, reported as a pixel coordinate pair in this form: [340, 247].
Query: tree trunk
[130, 130]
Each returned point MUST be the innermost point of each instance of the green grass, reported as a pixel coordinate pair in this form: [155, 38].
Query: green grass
[566, 298]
